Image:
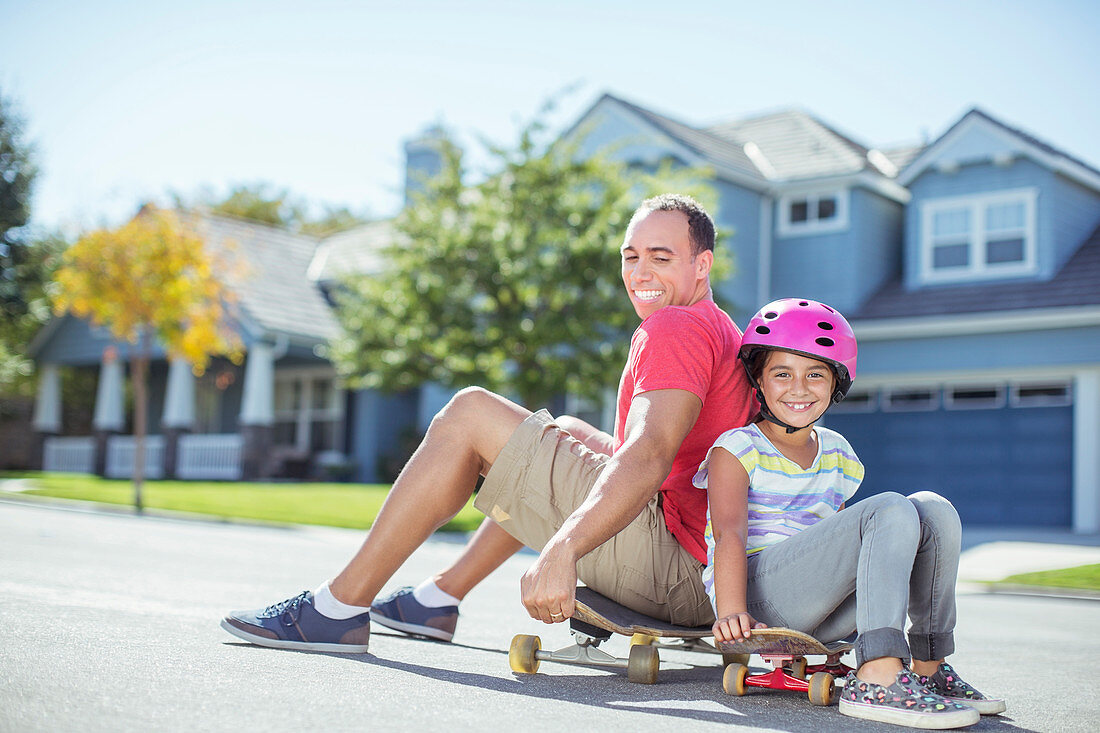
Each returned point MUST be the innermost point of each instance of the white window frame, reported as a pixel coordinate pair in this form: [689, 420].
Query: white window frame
[305, 414]
[788, 228]
[978, 269]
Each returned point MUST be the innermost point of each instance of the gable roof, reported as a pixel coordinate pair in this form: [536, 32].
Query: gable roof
[1022, 142]
[712, 148]
[778, 149]
[1076, 284]
[274, 292]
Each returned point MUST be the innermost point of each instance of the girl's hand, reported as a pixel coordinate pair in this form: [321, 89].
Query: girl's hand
[736, 627]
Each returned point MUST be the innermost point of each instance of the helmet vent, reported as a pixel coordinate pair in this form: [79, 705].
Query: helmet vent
[763, 330]
[771, 314]
[823, 341]
[825, 326]
[804, 304]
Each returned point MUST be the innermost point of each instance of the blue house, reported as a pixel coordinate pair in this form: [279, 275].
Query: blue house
[969, 267]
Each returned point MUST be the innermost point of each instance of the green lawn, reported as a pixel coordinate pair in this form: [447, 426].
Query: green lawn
[335, 505]
[1086, 577]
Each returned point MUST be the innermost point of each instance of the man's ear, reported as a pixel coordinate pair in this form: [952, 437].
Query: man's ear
[703, 262]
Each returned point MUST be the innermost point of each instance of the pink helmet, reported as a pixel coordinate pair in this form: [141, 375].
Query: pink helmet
[805, 327]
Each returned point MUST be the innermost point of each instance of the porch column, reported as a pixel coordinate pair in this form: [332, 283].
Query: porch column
[1086, 457]
[47, 410]
[179, 411]
[110, 417]
[257, 418]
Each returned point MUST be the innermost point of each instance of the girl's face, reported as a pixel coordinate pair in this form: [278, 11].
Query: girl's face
[796, 388]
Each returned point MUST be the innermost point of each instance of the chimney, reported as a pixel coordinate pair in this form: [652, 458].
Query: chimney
[423, 159]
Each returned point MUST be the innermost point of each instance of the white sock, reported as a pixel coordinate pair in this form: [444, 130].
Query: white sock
[330, 606]
[429, 594]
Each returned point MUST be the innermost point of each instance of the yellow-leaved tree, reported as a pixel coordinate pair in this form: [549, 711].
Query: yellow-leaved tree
[150, 279]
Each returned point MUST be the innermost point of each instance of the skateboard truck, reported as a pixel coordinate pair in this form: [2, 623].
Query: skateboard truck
[789, 669]
[526, 653]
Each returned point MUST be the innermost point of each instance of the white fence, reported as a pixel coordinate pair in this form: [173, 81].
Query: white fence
[210, 457]
[69, 455]
[121, 450]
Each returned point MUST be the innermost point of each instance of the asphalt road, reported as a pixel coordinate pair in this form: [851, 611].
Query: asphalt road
[110, 622]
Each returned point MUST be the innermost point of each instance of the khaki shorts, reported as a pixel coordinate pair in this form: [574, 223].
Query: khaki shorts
[542, 475]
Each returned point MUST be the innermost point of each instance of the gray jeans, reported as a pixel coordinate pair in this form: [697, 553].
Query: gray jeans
[860, 570]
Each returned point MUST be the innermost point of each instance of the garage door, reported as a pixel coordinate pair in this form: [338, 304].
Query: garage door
[1001, 453]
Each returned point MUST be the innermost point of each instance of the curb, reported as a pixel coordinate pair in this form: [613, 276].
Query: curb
[1012, 589]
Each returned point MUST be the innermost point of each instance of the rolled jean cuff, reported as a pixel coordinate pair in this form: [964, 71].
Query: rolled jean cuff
[931, 647]
[884, 642]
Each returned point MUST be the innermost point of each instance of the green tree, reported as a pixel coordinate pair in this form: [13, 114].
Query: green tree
[269, 204]
[21, 263]
[511, 283]
[261, 202]
[152, 278]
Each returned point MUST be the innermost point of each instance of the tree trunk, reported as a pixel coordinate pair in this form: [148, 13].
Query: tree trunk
[140, 370]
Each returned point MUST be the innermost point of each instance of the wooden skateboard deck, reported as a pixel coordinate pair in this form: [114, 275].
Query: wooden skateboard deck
[780, 641]
[598, 610]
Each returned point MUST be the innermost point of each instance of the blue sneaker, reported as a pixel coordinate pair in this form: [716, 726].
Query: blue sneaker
[296, 624]
[402, 612]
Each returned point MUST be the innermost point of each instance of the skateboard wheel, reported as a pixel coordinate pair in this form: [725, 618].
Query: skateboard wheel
[642, 664]
[642, 640]
[733, 679]
[821, 688]
[521, 655]
[798, 668]
[729, 658]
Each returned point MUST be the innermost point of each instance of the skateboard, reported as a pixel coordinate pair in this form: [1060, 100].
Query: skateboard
[595, 619]
[786, 651]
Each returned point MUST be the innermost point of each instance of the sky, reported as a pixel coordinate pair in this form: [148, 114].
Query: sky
[127, 101]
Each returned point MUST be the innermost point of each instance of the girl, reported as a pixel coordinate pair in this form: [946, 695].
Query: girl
[781, 553]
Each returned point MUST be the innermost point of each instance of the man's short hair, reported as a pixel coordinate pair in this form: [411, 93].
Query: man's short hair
[700, 225]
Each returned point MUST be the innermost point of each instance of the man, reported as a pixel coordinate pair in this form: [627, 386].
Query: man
[629, 524]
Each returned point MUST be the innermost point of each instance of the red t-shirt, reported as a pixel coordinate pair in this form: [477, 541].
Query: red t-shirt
[693, 348]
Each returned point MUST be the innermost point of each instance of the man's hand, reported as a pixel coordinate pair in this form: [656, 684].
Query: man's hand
[548, 587]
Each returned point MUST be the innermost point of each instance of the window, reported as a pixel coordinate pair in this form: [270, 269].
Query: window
[974, 397]
[910, 400]
[309, 411]
[857, 402]
[1041, 394]
[987, 236]
[813, 213]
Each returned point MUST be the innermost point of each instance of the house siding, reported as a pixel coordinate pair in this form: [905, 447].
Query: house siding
[1066, 219]
[76, 343]
[841, 268]
[613, 132]
[379, 424]
[1023, 349]
[738, 214]
[876, 243]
